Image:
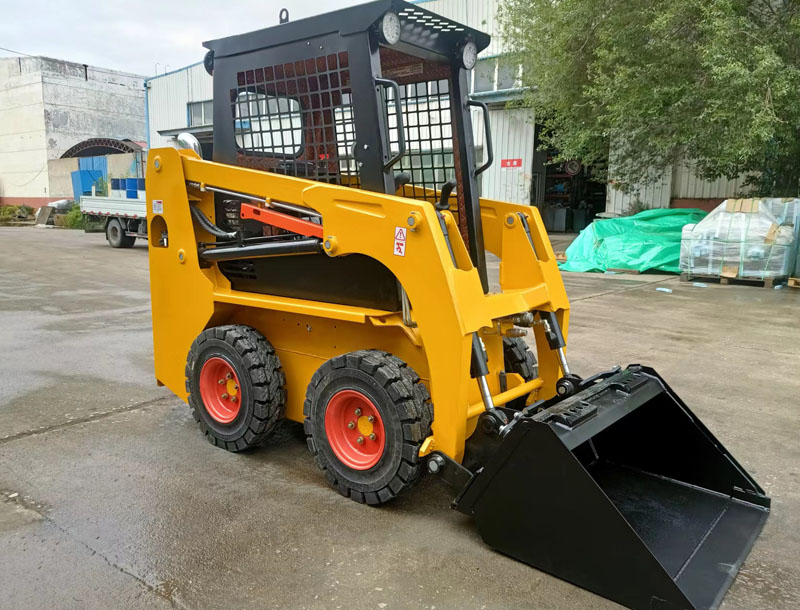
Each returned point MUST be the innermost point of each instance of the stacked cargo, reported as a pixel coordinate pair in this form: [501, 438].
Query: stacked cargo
[742, 239]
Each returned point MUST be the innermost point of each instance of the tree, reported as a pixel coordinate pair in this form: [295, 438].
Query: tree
[657, 81]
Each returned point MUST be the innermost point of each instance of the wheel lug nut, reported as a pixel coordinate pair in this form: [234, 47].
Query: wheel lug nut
[229, 376]
[351, 425]
[233, 398]
[224, 395]
[236, 387]
[221, 381]
[371, 418]
[372, 436]
[358, 411]
[360, 440]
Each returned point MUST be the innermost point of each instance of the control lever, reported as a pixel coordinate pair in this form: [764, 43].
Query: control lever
[444, 199]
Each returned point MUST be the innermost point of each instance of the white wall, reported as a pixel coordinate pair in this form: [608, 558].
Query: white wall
[121, 165]
[168, 97]
[23, 142]
[127, 165]
[82, 102]
[48, 106]
[513, 138]
[686, 184]
[656, 193]
[59, 172]
[676, 182]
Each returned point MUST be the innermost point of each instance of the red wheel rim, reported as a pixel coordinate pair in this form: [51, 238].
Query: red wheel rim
[220, 390]
[351, 416]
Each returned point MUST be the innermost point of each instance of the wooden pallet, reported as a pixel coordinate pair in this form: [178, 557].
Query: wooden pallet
[794, 282]
[770, 282]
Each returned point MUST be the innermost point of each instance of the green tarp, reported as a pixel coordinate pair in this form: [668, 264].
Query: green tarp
[644, 241]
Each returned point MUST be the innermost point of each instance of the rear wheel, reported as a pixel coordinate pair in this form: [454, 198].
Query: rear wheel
[235, 385]
[519, 359]
[366, 415]
[115, 234]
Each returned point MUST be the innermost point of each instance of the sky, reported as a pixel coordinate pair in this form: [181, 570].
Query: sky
[144, 36]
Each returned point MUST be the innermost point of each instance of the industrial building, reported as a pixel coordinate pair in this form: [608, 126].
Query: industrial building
[182, 101]
[51, 113]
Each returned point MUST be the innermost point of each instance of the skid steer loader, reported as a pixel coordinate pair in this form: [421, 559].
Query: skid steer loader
[329, 266]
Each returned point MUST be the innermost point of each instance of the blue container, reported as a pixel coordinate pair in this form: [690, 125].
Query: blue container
[140, 183]
[130, 184]
[115, 184]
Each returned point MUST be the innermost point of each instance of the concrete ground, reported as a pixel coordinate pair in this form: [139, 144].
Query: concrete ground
[109, 497]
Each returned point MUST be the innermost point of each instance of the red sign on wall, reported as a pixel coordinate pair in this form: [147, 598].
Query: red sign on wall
[510, 162]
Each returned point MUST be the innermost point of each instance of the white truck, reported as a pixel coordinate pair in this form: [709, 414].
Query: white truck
[123, 219]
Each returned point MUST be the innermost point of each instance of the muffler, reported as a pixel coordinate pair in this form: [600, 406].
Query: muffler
[620, 490]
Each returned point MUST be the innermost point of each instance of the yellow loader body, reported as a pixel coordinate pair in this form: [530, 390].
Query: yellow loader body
[447, 301]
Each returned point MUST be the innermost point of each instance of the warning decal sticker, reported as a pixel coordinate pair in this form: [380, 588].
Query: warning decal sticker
[400, 241]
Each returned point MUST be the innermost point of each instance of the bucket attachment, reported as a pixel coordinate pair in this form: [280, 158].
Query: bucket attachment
[620, 490]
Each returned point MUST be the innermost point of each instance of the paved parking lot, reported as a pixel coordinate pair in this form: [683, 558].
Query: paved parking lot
[109, 498]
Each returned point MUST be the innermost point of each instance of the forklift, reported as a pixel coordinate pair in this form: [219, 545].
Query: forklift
[328, 266]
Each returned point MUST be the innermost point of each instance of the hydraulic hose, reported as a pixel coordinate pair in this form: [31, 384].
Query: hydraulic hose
[210, 226]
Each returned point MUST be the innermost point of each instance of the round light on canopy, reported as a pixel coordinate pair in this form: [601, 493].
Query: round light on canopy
[390, 28]
[469, 55]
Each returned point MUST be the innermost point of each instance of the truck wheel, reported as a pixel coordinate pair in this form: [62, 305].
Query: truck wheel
[235, 385]
[520, 360]
[366, 415]
[115, 234]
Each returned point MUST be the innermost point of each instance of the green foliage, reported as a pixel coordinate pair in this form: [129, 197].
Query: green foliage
[636, 206]
[8, 213]
[75, 218]
[25, 210]
[715, 81]
[101, 187]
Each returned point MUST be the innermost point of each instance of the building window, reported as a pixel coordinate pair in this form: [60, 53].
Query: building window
[494, 74]
[506, 76]
[484, 75]
[201, 113]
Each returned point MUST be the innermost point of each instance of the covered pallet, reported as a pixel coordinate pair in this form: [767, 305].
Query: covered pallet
[750, 239]
[646, 241]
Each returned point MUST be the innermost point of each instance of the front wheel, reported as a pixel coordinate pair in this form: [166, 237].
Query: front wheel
[366, 416]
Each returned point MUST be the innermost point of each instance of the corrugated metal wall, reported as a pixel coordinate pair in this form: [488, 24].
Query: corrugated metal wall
[478, 14]
[655, 194]
[513, 138]
[678, 182]
[168, 96]
[686, 185]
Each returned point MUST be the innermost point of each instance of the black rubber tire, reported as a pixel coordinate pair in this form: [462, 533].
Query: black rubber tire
[404, 405]
[261, 378]
[115, 234]
[519, 359]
